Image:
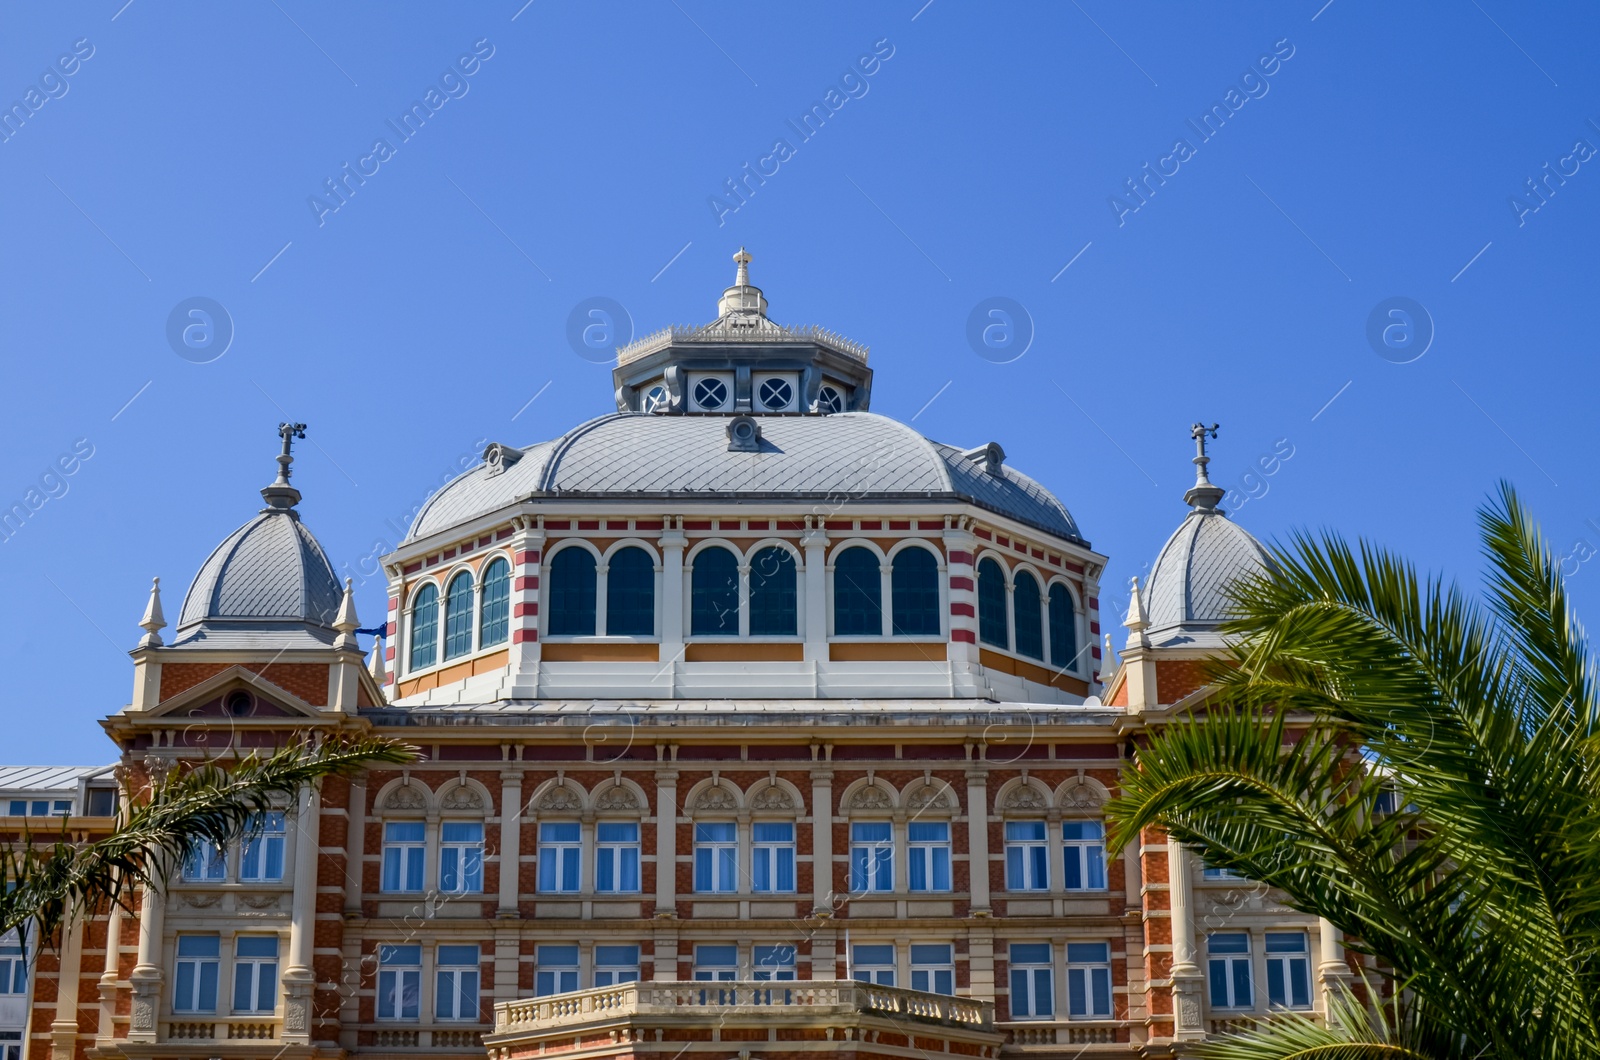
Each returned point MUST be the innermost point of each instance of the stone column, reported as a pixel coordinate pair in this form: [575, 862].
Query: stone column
[1187, 979]
[109, 977]
[1332, 970]
[147, 975]
[962, 581]
[822, 842]
[815, 593]
[672, 543]
[667, 843]
[978, 839]
[298, 978]
[64, 1029]
[510, 844]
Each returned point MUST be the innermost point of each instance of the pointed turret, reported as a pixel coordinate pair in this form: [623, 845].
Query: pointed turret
[153, 621]
[345, 621]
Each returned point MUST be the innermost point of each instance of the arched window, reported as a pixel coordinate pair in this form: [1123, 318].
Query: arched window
[773, 604]
[714, 594]
[1028, 623]
[992, 604]
[857, 594]
[914, 588]
[494, 603]
[425, 627]
[631, 594]
[1063, 628]
[458, 616]
[572, 593]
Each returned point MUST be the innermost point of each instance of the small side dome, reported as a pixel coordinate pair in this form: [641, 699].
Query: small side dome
[1185, 598]
[270, 574]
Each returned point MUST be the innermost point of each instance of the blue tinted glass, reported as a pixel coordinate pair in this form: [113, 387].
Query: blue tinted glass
[1088, 952]
[558, 955]
[714, 594]
[458, 616]
[1022, 831]
[405, 831]
[773, 597]
[871, 832]
[572, 593]
[1063, 627]
[199, 945]
[613, 956]
[992, 604]
[631, 594]
[857, 594]
[930, 954]
[715, 833]
[914, 588]
[462, 832]
[424, 627]
[1230, 942]
[257, 945]
[928, 832]
[559, 833]
[715, 955]
[774, 832]
[781, 956]
[458, 955]
[400, 955]
[1025, 606]
[1082, 830]
[1280, 942]
[1030, 953]
[618, 832]
[874, 955]
[494, 605]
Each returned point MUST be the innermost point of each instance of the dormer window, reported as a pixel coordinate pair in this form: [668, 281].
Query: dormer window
[775, 393]
[654, 400]
[711, 394]
[830, 400]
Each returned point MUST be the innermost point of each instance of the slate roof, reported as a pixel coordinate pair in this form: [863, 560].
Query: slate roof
[1187, 586]
[46, 778]
[849, 456]
[268, 571]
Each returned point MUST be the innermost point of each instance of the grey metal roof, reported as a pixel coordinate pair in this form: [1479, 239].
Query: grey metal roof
[850, 456]
[1187, 586]
[46, 778]
[271, 569]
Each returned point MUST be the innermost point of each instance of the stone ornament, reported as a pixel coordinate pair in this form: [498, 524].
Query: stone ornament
[201, 901]
[462, 797]
[561, 800]
[716, 798]
[871, 798]
[617, 797]
[772, 797]
[1024, 797]
[930, 797]
[405, 797]
[260, 901]
[1084, 796]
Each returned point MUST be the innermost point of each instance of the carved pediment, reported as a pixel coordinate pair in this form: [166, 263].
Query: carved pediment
[405, 797]
[617, 797]
[1024, 798]
[871, 797]
[931, 797]
[462, 797]
[1082, 797]
[772, 797]
[561, 800]
[716, 798]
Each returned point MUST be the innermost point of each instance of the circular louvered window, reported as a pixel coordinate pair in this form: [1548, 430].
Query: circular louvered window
[776, 394]
[655, 400]
[829, 401]
[711, 394]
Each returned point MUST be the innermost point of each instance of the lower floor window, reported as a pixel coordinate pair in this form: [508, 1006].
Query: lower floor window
[399, 982]
[556, 971]
[455, 994]
[873, 963]
[932, 968]
[195, 984]
[773, 962]
[1033, 990]
[1088, 980]
[255, 973]
[616, 964]
[1288, 970]
[1228, 969]
[716, 963]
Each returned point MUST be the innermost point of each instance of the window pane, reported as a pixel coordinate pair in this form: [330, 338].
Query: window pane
[631, 594]
[928, 832]
[871, 831]
[714, 594]
[1286, 942]
[257, 946]
[992, 604]
[1300, 983]
[1025, 605]
[458, 616]
[914, 581]
[572, 593]
[1277, 992]
[1077, 992]
[1088, 952]
[1030, 953]
[199, 946]
[618, 832]
[1025, 830]
[494, 603]
[1219, 983]
[1243, 996]
[774, 832]
[857, 594]
[565, 832]
[715, 833]
[1063, 628]
[774, 605]
[404, 831]
[424, 627]
[1228, 942]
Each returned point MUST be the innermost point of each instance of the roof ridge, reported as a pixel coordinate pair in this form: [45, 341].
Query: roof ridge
[565, 442]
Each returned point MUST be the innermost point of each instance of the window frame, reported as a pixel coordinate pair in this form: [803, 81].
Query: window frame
[603, 592]
[1077, 853]
[1230, 963]
[263, 974]
[459, 974]
[927, 964]
[1086, 972]
[1286, 960]
[926, 853]
[704, 969]
[887, 972]
[796, 570]
[548, 588]
[396, 974]
[1033, 857]
[406, 850]
[871, 588]
[872, 859]
[618, 970]
[1027, 615]
[558, 857]
[694, 563]
[198, 963]
[620, 861]
[494, 591]
[768, 856]
[435, 630]
[1077, 653]
[461, 613]
[1031, 972]
[463, 849]
[941, 605]
[716, 863]
[274, 834]
[1002, 606]
[555, 968]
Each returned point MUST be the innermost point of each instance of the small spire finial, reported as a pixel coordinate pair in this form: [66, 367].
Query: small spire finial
[1136, 622]
[376, 667]
[742, 279]
[280, 494]
[742, 305]
[1203, 495]
[153, 621]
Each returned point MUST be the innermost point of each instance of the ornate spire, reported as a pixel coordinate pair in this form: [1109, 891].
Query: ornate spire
[280, 494]
[1203, 496]
[153, 621]
[1136, 622]
[376, 668]
[742, 305]
[345, 621]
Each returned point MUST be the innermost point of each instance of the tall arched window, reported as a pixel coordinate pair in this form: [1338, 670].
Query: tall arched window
[992, 604]
[714, 594]
[914, 590]
[857, 594]
[425, 627]
[458, 616]
[774, 606]
[494, 603]
[1028, 622]
[572, 597]
[1063, 628]
[631, 593]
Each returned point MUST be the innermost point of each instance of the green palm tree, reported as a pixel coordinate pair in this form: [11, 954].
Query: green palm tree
[44, 885]
[1422, 769]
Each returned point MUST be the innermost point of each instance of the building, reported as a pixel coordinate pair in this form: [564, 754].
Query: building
[753, 723]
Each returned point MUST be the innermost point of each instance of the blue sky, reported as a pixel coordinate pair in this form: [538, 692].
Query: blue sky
[1366, 153]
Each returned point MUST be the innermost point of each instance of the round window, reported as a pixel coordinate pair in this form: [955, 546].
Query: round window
[655, 400]
[776, 394]
[240, 704]
[711, 393]
[829, 401]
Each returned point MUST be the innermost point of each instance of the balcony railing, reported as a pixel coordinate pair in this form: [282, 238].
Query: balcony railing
[812, 999]
[1074, 1032]
[225, 1029]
